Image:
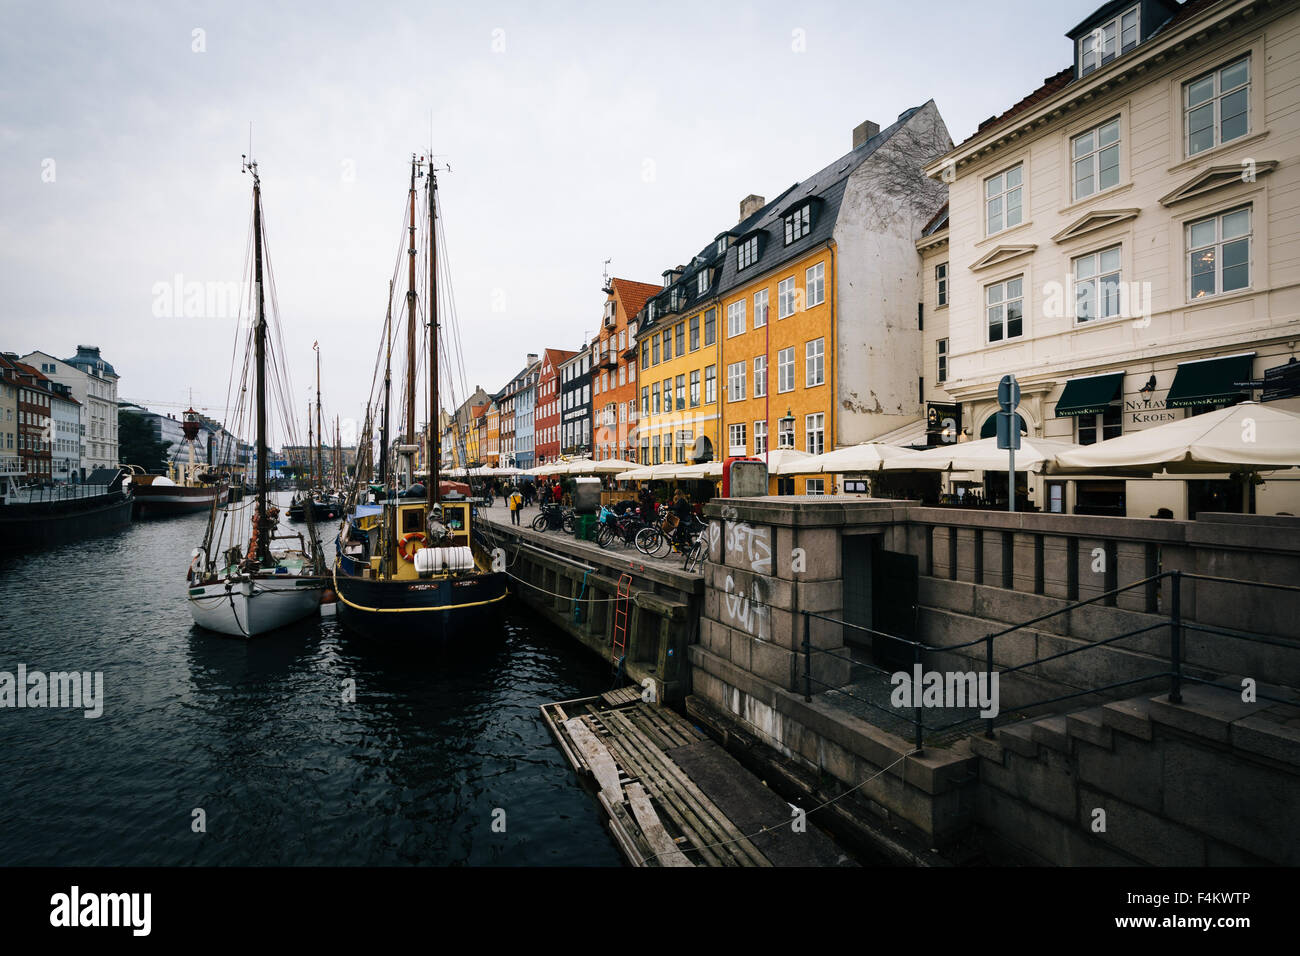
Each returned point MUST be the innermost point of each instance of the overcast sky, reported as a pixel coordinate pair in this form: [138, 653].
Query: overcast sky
[575, 133]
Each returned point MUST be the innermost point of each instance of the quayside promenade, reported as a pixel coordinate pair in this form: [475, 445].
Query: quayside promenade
[1147, 670]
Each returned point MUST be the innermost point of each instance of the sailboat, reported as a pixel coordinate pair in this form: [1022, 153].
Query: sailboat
[411, 562]
[322, 501]
[254, 586]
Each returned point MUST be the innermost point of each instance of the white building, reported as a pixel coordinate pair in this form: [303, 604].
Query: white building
[1124, 240]
[94, 385]
[65, 435]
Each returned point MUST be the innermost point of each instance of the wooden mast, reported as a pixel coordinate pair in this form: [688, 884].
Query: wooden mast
[311, 457]
[410, 324]
[260, 524]
[388, 390]
[320, 432]
[431, 494]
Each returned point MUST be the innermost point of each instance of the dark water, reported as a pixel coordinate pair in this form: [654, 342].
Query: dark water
[256, 733]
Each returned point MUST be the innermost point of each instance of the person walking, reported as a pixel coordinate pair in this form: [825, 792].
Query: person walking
[546, 495]
[516, 503]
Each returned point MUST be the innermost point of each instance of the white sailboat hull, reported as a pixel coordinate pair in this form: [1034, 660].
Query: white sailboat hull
[255, 606]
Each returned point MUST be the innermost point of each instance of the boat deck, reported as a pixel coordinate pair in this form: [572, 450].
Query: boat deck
[672, 796]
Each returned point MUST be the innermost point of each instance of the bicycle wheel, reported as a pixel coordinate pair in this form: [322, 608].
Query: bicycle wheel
[604, 537]
[539, 523]
[696, 555]
[568, 523]
[648, 540]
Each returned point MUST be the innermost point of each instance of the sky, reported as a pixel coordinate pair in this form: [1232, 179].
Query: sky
[574, 133]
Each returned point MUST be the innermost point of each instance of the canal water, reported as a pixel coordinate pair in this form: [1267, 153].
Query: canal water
[442, 759]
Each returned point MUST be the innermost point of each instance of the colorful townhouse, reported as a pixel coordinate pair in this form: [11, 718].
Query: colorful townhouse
[818, 298]
[549, 414]
[615, 409]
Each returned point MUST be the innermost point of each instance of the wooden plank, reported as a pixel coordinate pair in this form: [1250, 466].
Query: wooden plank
[696, 833]
[735, 841]
[665, 850]
[598, 758]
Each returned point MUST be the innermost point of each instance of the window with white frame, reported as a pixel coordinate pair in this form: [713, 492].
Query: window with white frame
[798, 223]
[1002, 200]
[760, 309]
[747, 253]
[941, 282]
[814, 363]
[736, 381]
[785, 433]
[1218, 254]
[1095, 159]
[815, 433]
[735, 318]
[941, 350]
[760, 376]
[785, 298]
[1091, 429]
[1108, 40]
[1216, 106]
[679, 389]
[785, 370]
[1096, 285]
[702, 282]
[815, 284]
[1004, 306]
[695, 388]
[760, 437]
[710, 385]
[815, 486]
[736, 444]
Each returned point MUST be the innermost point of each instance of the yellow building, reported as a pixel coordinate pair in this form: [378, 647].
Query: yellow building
[678, 374]
[492, 436]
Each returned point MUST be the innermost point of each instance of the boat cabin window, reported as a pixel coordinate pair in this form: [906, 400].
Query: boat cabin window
[454, 516]
[412, 520]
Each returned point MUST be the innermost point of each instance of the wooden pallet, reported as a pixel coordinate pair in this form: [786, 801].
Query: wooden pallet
[657, 815]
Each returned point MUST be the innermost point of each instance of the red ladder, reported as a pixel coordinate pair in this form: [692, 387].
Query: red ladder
[620, 619]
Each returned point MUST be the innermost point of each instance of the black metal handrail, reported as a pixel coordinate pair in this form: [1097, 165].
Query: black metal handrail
[1174, 672]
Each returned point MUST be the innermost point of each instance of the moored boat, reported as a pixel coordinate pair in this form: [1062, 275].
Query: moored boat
[32, 520]
[413, 565]
[240, 582]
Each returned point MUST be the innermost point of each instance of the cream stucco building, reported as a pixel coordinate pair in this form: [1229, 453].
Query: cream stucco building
[1126, 241]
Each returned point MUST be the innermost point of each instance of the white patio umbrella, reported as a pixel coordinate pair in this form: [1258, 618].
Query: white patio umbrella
[606, 466]
[868, 456]
[634, 474]
[1034, 454]
[1248, 435]
[710, 469]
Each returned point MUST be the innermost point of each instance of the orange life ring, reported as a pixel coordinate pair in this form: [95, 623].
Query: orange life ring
[407, 539]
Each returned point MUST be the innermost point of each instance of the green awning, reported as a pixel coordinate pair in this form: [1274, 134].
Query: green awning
[1089, 396]
[990, 428]
[1209, 381]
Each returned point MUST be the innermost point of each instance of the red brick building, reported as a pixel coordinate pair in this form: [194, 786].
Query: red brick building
[613, 371]
[548, 415]
[34, 422]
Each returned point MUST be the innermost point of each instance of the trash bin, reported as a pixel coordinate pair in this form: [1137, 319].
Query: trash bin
[584, 527]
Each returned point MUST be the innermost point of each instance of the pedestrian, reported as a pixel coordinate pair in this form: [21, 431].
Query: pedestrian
[516, 502]
[647, 503]
[546, 495]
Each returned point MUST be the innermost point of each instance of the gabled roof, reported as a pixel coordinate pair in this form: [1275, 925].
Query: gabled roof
[824, 190]
[1059, 81]
[632, 294]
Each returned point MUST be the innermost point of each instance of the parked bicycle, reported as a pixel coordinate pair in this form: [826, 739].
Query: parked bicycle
[658, 540]
[622, 528]
[554, 518]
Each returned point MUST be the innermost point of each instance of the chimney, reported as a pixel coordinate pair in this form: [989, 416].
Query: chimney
[750, 205]
[864, 132]
[532, 358]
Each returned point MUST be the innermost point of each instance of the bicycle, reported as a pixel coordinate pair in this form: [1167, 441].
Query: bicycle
[697, 553]
[553, 518]
[624, 529]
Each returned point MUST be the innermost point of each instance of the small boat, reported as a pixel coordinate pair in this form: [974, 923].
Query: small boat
[187, 488]
[412, 565]
[249, 586]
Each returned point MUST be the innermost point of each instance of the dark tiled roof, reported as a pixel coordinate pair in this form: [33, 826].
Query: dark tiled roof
[86, 357]
[940, 221]
[1059, 81]
[824, 188]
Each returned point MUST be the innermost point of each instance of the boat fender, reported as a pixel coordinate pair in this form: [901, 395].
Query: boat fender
[405, 540]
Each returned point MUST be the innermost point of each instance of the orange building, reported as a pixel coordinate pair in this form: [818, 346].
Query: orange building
[614, 370]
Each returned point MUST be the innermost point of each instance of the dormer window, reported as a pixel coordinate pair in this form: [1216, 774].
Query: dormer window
[722, 245]
[798, 223]
[1108, 40]
[702, 282]
[747, 253]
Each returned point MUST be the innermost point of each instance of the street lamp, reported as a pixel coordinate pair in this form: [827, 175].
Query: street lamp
[785, 424]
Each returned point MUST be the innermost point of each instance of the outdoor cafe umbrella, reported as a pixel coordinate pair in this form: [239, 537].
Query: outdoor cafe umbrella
[606, 466]
[868, 456]
[1034, 454]
[709, 469]
[1248, 435]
